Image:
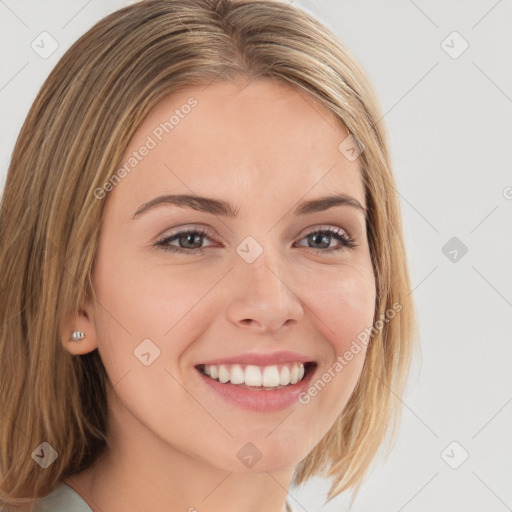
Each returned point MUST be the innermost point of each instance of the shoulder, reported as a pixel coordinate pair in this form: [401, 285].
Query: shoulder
[62, 499]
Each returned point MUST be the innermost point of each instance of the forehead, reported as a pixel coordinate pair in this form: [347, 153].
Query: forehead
[260, 139]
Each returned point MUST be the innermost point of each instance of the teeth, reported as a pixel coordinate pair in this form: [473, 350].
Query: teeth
[284, 379]
[252, 376]
[266, 376]
[237, 375]
[270, 376]
[223, 374]
[294, 375]
[214, 371]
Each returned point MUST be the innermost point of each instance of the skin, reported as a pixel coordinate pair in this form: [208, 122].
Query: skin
[263, 147]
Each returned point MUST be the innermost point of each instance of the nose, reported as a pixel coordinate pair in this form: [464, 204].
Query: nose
[263, 298]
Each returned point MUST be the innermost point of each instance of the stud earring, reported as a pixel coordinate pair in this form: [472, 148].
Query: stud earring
[77, 335]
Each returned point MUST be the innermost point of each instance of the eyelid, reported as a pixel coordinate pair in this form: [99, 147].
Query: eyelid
[206, 230]
[325, 227]
[202, 228]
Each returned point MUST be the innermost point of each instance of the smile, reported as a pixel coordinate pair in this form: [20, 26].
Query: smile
[252, 376]
[257, 388]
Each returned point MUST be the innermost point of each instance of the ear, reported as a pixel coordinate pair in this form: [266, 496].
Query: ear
[84, 322]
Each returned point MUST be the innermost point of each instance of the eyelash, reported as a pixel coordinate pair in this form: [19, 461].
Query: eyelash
[346, 241]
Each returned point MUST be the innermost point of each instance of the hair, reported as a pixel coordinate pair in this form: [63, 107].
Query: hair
[70, 144]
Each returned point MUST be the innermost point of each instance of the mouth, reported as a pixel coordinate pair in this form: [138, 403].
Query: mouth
[259, 378]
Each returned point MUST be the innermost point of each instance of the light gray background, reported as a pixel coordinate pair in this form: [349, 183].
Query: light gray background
[450, 127]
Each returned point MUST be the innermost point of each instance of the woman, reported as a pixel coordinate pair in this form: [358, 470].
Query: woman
[205, 294]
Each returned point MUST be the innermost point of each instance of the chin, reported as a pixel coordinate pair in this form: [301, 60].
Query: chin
[256, 454]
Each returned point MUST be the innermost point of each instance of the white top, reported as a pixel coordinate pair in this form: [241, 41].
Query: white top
[65, 499]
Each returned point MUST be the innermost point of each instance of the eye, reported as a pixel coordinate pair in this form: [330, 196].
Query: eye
[189, 240]
[324, 236]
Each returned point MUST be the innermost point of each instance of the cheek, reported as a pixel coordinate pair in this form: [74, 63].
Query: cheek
[147, 308]
[343, 307]
[145, 323]
[344, 304]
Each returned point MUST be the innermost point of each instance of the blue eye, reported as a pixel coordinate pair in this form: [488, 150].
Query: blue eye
[320, 237]
[194, 236]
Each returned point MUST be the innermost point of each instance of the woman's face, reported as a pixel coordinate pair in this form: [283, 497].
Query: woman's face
[264, 281]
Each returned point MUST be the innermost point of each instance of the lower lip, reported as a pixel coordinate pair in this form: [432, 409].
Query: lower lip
[259, 400]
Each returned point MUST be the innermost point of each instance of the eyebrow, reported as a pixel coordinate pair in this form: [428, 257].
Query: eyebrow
[225, 209]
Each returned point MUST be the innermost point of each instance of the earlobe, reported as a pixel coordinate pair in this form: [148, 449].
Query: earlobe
[78, 332]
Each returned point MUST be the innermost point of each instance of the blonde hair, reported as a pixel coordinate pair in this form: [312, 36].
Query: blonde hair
[70, 144]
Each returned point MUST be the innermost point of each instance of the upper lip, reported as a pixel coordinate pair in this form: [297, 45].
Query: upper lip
[260, 359]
